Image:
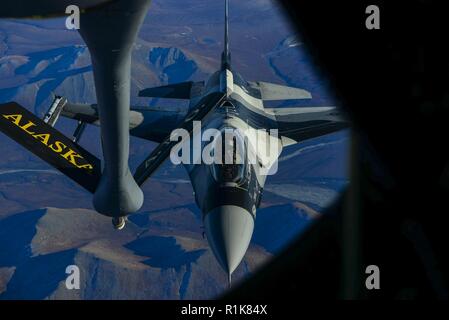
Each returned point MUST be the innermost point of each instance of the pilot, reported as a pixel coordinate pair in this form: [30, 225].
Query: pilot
[232, 166]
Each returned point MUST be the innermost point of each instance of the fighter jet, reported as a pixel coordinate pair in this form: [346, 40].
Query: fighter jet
[228, 169]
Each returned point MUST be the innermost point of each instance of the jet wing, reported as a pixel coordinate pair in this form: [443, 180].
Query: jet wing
[272, 91]
[150, 123]
[162, 151]
[183, 90]
[88, 113]
[299, 124]
[50, 145]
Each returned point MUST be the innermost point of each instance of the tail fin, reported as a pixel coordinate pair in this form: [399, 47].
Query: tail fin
[226, 56]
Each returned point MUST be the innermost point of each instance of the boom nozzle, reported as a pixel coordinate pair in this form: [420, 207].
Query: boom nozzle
[118, 222]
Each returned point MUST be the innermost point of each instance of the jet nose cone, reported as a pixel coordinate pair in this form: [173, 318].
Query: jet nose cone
[229, 230]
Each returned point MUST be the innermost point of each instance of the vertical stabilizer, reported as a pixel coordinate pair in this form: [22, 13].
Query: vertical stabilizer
[226, 56]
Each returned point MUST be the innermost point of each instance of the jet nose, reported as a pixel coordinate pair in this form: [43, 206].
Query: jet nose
[229, 230]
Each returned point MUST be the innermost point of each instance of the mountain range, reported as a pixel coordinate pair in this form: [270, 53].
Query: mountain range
[47, 222]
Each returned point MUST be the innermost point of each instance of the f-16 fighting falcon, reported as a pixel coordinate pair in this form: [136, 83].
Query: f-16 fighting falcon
[242, 137]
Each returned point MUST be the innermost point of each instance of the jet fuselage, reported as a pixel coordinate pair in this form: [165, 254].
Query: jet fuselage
[228, 191]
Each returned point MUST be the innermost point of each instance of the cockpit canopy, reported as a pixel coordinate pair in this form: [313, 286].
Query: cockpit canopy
[230, 158]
